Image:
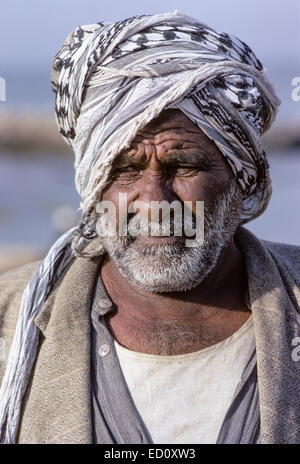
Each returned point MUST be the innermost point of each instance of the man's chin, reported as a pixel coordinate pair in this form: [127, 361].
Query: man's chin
[164, 267]
[162, 280]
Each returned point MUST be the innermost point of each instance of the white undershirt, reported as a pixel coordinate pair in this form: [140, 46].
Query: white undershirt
[184, 398]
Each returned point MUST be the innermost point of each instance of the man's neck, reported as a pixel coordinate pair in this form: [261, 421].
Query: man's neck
[179, 322]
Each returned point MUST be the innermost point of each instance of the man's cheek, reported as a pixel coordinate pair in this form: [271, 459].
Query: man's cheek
[185, 189]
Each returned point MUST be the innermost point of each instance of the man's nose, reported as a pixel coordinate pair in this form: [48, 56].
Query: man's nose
[155, 187]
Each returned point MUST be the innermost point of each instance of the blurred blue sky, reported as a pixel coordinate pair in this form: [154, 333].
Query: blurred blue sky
[32, 32]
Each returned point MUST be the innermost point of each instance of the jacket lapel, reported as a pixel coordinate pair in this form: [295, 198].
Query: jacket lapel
[57, 404]
[275, 302]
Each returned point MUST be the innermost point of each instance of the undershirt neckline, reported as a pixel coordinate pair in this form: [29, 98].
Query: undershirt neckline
[186, 356]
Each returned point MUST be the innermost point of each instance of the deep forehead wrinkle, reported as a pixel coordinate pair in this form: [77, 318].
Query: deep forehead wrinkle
[174, 157]
[177, 134]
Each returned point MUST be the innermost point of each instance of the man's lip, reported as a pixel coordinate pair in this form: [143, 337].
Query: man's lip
[155, 240]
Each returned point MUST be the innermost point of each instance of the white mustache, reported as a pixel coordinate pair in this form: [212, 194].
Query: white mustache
[167, 227]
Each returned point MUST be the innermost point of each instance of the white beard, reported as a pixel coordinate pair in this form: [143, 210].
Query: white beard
[173, 266]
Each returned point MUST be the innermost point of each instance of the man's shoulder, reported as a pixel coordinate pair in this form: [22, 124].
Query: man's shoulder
[286, 254]
[12, 285]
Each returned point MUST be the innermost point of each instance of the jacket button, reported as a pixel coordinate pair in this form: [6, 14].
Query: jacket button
[103, 350]
[105, 303]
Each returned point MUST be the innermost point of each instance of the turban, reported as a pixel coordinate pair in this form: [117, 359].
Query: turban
[110, 80]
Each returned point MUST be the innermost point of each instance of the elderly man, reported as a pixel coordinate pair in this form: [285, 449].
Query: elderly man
[136, 337]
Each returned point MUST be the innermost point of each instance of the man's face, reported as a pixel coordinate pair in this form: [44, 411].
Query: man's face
[171, 159]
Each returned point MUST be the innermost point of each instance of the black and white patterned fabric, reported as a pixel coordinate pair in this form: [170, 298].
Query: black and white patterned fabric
[110, 80]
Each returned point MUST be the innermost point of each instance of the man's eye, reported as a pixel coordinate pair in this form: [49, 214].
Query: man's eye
[181, 170]
[126, 171]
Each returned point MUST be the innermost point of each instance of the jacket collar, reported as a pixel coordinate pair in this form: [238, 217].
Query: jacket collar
[57, 406]
[274, 299]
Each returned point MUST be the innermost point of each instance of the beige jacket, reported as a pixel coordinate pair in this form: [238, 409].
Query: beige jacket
[56, 408]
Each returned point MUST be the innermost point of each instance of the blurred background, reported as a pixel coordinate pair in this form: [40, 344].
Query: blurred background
[38, 200]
